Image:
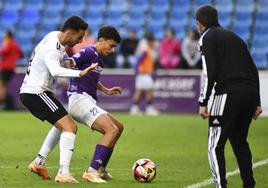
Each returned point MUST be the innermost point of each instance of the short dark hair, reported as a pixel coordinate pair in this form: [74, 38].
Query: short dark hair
[9, 34]
[207, 15]
[149, 36]
[109, 32]
[74, 23]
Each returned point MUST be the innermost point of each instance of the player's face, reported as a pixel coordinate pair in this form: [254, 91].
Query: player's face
[75, 37]
[107, 47]
[200, 27]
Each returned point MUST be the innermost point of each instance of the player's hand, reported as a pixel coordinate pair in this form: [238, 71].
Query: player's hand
[88, 69]
[258, 111]
[114, 90]
[203, 112]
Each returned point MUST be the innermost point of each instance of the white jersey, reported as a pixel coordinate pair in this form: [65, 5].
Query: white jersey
[44, 65]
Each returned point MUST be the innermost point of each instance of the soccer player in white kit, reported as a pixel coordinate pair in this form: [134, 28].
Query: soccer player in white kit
[36, 92]
[83, 107]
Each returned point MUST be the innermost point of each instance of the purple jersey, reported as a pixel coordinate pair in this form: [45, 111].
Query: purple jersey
[88, 83]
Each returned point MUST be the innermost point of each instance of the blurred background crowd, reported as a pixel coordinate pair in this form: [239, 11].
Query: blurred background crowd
[167, 27]
[170, 21]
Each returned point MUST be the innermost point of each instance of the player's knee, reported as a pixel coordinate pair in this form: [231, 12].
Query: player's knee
[114, 131]
[70, 128]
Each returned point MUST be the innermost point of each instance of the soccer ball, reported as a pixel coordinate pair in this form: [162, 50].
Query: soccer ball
[144, 170]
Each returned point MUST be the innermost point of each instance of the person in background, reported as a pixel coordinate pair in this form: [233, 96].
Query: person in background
[87, 40]
[10, 53]
[170, 51]
[191, 57]
[147, 53]
[126, 55]
[228, 68]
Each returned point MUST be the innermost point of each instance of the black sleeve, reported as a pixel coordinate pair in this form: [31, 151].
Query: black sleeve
[208, 77]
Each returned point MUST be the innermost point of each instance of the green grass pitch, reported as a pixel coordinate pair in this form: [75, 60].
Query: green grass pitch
[176, 143]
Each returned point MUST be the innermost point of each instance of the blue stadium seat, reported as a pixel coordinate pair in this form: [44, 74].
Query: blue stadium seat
[141, 5]
[13, 5]
[76, 5]
[72, 12]
[135, 19]
[23, 62]
[260, 31]
[198, 3]
[26, 44]
[261, 18]
[157, 18]
[51, 17]
[97, 5]
[30, 16]
[118, 5]
[225, 18]
[182, 6]
[202, 2]
[26, 30]
[244, 18]
[259, 45]
[94, 17]
[7, 27]
[242, 31]
[224, 5]
[260, 59]
[178, 19]
[9, 16]
[180, 32]
[44, 29]
[263, 3]
[34, 4]
[245, 5]
[114, 18]
[157, 30]
[56, 5]
[160, 5]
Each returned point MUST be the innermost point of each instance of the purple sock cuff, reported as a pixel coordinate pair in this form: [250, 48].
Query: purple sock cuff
[101, 156]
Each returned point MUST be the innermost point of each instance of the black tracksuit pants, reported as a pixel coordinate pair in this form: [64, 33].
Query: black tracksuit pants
[230, 118]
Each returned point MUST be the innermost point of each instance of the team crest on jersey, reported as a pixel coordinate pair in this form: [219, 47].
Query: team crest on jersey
[77, 55]
[98, 69]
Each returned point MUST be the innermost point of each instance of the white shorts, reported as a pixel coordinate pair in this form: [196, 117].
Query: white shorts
[144, 82]
[83, 108]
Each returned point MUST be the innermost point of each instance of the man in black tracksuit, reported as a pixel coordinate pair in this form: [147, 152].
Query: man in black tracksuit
[229, 68]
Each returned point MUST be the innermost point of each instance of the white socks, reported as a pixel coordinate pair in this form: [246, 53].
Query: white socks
[67, 140]
[49, 144]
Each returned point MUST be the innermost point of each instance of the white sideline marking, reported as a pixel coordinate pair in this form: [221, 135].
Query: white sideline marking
[210, 181]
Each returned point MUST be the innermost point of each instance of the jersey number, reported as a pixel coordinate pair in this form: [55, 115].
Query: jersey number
[94, 111]
[30, 63]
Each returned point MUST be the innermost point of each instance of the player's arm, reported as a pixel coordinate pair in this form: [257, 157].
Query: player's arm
[208, 77]
[108, 91]
[52, 60]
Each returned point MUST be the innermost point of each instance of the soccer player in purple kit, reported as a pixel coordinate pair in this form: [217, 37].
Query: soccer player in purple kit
[82, 102]
[82, 106]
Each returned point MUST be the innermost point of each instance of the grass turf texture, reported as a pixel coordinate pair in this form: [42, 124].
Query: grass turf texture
[176, 143]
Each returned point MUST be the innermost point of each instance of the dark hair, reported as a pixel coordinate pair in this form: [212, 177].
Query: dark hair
[207, 15]
[149, 36]
[74, 23]
[109, 32]
[9, 34]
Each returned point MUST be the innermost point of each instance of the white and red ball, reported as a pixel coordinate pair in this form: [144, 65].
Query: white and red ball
[144, 170]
